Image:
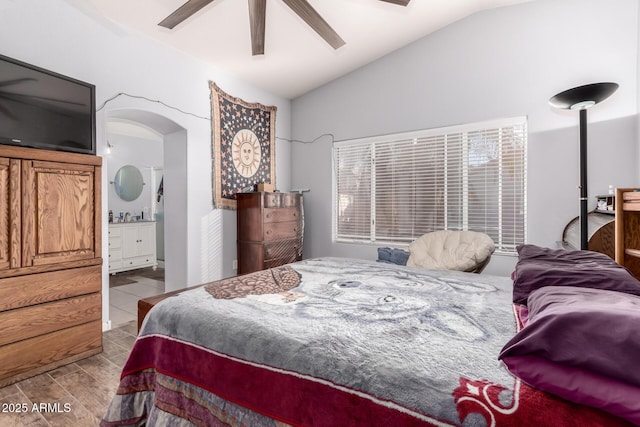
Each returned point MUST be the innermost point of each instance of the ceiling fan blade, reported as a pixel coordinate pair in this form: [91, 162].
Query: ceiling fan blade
[400, 2]
[309, 15]
[257, 13]
[183, 12]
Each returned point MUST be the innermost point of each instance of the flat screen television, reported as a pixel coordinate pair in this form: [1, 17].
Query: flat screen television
[43, 109]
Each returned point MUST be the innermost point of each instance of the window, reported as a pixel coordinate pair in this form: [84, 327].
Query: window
[394, 188]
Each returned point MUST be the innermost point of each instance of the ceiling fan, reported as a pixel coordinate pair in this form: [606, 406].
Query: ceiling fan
[257, 9]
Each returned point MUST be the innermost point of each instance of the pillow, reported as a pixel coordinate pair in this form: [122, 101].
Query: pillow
[562, 256]
[538, 267]
[393, 256]
[577, 341]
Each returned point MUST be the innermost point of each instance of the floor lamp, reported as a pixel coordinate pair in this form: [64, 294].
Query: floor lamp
[581, 98]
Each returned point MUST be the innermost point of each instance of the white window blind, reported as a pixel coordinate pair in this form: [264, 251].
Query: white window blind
[393, 189]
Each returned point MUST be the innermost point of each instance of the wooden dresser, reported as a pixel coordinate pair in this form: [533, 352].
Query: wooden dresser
[50, 260]
[270, 228]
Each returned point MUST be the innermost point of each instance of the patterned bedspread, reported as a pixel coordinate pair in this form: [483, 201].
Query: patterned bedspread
[334, 342]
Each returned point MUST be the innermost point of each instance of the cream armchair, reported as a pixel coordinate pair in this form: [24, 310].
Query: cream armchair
[451, 250]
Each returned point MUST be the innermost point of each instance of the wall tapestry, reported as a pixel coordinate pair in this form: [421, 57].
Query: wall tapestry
[243, 146]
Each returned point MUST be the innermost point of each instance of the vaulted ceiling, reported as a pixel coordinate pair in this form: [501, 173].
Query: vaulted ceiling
[296, 58]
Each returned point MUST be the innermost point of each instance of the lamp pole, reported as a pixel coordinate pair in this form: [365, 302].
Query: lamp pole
[584, 222]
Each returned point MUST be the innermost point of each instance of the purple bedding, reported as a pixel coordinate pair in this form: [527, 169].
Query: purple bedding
[538, 267]
[580, 327]
[581, 344]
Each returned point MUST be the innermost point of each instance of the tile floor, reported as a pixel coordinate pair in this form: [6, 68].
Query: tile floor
[78, 394]
[123, 299]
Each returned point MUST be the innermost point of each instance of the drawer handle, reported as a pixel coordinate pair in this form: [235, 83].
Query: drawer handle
[269, 215]
[268, 232]
[295, 230]
[295, 214]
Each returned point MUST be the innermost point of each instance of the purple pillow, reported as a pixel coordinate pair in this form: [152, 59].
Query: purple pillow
[577, 385]
[563, 256]
[538, 267]
[589, 337]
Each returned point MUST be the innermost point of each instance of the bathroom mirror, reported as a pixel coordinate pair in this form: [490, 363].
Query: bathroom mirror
[128, 183]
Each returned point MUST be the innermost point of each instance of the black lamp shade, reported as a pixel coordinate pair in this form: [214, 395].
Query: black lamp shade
[582, 97]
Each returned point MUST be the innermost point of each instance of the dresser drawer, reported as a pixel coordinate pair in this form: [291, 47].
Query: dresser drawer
[115, 231]
[43, 353]
[281, 215]
[29, 322]
[115, 264]
[281, 200]
[291, 200]
[140, 261]
[115, 242]
[22, 291]
[115, 254]
[282, 249]
[281, 230]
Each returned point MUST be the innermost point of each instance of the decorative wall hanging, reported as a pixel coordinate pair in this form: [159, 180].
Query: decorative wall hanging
[243, 146]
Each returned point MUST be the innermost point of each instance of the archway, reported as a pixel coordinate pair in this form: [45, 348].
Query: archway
[173, 138]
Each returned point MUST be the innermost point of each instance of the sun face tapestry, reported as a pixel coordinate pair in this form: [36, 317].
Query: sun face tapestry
[243, 146]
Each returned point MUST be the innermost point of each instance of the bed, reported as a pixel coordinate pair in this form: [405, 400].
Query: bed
[339, 342]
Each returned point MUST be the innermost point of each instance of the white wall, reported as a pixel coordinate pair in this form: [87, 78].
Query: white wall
[55, 35]
[499, 63]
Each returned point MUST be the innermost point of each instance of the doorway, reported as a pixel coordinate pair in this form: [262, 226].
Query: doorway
[144, 140]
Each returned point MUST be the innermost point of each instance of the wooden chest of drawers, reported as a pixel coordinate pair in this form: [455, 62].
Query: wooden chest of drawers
[50, 260]
[269, 230]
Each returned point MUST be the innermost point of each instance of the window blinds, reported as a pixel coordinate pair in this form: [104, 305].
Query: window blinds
[395, 188]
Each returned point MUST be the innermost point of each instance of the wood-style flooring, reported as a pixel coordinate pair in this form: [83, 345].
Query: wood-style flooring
[73, 395]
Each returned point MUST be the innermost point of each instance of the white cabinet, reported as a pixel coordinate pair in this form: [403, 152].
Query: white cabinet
[132, 245]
